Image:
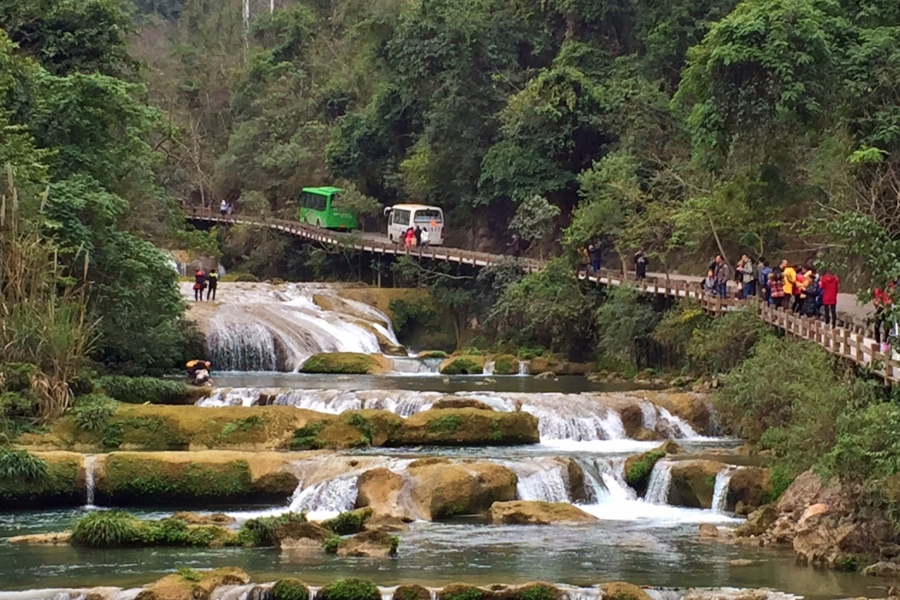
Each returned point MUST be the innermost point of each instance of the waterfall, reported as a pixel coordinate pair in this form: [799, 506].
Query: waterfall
[649, 415]
[412, 365]
[720, 489]
[523, 368]
[258, 327]
[332, 495]
[581, 593]
[674, 427]
[660, 480]
[605, 480]
[541, 479]
[249, 591]
[90, 463]
[488, 368]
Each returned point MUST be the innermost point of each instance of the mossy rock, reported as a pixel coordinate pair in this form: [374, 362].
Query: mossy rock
[466, 427]
[693, 482]
[348, 522]
[349, 589]
[462, 365]
[538, 590]
[63, 484]
[506, 364]
[621, 590]
[463, 591]
[411, 592]
[639, 466]
[192, 585]
[429, 354]
[290, 589]
[347, 363]
[132, 479]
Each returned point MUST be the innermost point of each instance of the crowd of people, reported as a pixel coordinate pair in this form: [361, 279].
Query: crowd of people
[418, 238]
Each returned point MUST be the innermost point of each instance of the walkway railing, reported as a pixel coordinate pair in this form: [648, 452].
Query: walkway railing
[852, 341]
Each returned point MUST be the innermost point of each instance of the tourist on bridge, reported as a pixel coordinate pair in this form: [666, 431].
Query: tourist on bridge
[789, 276]
[418, 235]
[764, 271]
[640, 265]
[199, 284]
[223, 208]
[776, 288]
[709, 283]
[594, 256]
[881, 299]
[809, 293]
[747, 272]
[515, 245]
[722, 273]
[828, 284]
[424, 239]
[409, 237]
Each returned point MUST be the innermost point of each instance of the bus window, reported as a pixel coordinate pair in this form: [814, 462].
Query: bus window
[401, 217]
[426, 215]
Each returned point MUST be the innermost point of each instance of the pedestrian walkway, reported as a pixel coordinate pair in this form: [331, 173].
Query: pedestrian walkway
[852, 340]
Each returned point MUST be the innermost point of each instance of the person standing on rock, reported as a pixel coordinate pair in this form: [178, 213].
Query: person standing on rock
[199, 284]
[212, 281]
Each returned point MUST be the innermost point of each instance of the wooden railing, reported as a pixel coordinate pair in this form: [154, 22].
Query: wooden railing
[850, 340]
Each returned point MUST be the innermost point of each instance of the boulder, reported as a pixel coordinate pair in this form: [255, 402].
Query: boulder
[456, 591]
[758, 522]
[748, 487]
[372, 544]
[442, 489]
[812, 511]
[42, 539]
[574, 478]
[883, 569]
[411, 592]
[545, 375]
[299, 536]
[210, 519]
[466, 427]
[708, 531]
[63, 486]
[349, 589]
[505, 364]
[466, 364]
[347, 363]
[289, 588]
[386, 523]
[800, 493]
[693, 482]
[639, 466]
[621, 590]
[455, 402]
[380, 489]
[176, 587]
[349, 521]
[632, 419]
[535, 512]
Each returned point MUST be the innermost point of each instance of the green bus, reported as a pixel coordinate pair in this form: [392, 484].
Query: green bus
[317, 208]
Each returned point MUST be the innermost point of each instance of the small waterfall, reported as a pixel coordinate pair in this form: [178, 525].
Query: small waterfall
[605, 480]
[412, 365]
[720, 490]
[332, 495]
[258, 327]
[90, 464]
[581, 593]
[488, 368]
[523, 368]
[649, 415]
[541, 479]
[674, 427]
[250, 591]
[660, 480]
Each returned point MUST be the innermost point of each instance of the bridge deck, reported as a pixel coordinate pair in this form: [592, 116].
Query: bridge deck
[851, 341]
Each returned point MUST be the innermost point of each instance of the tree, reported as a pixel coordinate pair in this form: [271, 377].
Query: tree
[534, 218]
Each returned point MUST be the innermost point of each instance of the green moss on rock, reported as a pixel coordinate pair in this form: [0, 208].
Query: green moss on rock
[348, 522]
[348, 363]
[466, 426]
[411, 592]
[462, 365]
[59, 483]
[349, 589]
[290, 589]
[505, 364]
[462, 591]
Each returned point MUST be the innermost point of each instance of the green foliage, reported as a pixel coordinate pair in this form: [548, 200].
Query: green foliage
[445, 423]
[349, 589]
[290, 589]
[539, 592]
[261, 531]
[348, 522]
[725, 342]
[623, 320]
[365, 426]
[851, 563]
[405, 313]
[678, 325]
[188, 574]
[306, 437]
[105, 529]
[21, 466]
[463, 366]
[434, 354]
[534, 218]
[139, 390]
[526, 353]
[243, 424]
[639, 471]
[331, 543]
[92, 412]
[467, 593]
[350, 363]
[780, 477]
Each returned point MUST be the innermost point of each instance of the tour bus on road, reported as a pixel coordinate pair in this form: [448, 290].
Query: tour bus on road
[317, 207]
[403, 216]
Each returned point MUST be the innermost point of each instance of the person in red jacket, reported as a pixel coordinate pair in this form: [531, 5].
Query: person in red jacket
[882, 301]
[828, 283]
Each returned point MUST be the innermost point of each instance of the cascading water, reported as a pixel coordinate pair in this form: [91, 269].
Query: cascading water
[660, 481]
[488, 368]
[604, 480]
[720, 489]
[523, 368]
[258, 327]
[90, 463]
[541, 479]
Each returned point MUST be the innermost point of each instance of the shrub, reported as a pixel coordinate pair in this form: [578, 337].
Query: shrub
[527, 353]
[624, 319]
[725, 342]
[246, 278]
[539, 591]
[290, 589]
[189, 574]
[349, 589]
[16, 376]
[406, 315]
[262, 531]
[331, 543]
[445, 423]
[350, 521]
[21, 465]
[463, 366]
[92, 412]
[679, 324]
[138, 390]
[639, 470]
[106, 529]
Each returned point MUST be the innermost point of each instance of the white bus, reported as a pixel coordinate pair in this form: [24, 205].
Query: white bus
[403, 216]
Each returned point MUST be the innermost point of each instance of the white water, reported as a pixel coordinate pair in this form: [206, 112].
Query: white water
[90, 464]
[488, 368]
[411, 365]
[660, 481]
[720, 490]
[523, 368]
[259, 327]
[541, 479]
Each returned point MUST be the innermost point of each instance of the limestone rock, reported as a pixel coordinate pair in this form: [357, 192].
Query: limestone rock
[758, 522]
[467, 426]
[348, 363]
[211, 519]
[693, 482]
[545, 375]
[380, 489]
[373, 544]
[411, 592]
[296, 535]
[812, 511]
[467, 364]
[800, 493]
[536, 512]
[639, 466]
[454, 402]
[444, 490]
[621, 590]
[574, 478]
[176, 587]
[386, 523]
[708, 531]
[883, 569]
[747, 488]
[42, 539]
